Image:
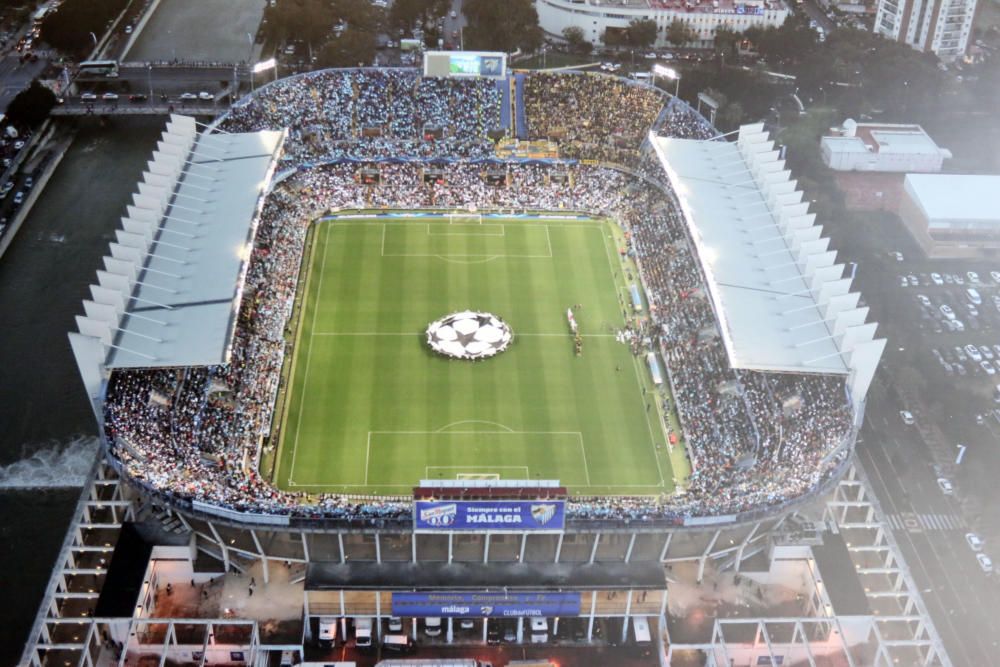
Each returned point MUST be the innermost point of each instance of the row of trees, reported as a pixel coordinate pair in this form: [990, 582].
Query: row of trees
[640, 34]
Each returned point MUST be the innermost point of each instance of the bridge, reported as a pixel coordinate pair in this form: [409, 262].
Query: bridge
[123, 107]
[156, 89]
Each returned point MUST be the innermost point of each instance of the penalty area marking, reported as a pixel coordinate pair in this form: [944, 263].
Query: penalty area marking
[578, 434]
[476, 475]
[469, 258]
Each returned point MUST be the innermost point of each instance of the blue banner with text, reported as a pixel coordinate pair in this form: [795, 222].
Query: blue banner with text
[483, 605]
[510, 515]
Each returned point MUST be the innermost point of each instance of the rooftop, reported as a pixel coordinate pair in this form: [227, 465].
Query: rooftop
[172, 282]
[781, 300]
[965, 198]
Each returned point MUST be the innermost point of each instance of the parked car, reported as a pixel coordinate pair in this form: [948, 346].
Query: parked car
[947, 311]
[986, 352]
[973, 295]
[973, 353]
[972, 276]
[987, 368]
[924, 301]
[913, 280]
[896, 255]
[19, 198]
[936, 279]
[985, 564]
[995, 275]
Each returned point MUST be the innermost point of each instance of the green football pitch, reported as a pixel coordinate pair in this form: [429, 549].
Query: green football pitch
[370, 409]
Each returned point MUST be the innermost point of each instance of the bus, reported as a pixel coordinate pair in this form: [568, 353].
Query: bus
[98, 67]
[41, 14]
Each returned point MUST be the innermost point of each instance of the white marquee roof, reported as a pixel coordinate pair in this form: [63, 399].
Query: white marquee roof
[170, 289]
[781, 299]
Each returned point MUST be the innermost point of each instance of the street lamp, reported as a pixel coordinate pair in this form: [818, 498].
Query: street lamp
[669, 73]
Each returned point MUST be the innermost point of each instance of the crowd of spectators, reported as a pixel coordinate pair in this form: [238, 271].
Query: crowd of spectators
[374, 114]
[592, 116]
[753, 439]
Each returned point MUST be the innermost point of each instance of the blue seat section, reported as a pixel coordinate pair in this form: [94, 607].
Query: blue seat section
[520, 117]
[503, 85]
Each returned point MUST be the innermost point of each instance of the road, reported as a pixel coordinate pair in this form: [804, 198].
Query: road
[904, 462]
[962, 600]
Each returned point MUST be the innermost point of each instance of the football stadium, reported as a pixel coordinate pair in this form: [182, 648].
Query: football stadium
[367, 334]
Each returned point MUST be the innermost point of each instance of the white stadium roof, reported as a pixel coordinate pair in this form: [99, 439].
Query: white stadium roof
[781, 300]
[169, 292]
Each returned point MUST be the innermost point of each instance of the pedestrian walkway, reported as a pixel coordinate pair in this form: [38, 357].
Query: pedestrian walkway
[913, 522]
[520, 116]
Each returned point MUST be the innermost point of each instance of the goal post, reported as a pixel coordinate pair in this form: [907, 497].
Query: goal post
[460, 217]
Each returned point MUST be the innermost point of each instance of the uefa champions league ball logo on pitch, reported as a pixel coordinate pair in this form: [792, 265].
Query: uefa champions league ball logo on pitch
[469, 335]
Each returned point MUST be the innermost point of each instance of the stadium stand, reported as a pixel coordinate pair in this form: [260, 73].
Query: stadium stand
[755, 440]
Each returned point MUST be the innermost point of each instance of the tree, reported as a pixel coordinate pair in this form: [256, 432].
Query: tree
[725, 40]
[641, 33]
[501, 26]
[614, 37]
[680, 33]
[405, 14]
[576, 41]
[32, 105]
[352, 48]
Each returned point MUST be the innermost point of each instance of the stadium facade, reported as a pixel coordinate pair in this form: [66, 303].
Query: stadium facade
[704, 18]
[569, 564]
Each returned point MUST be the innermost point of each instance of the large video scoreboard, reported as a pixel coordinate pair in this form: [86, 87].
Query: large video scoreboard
[465, 64]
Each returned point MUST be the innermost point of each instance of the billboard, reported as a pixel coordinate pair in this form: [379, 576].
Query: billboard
[493, 515]
[485, 605]
[465, 64]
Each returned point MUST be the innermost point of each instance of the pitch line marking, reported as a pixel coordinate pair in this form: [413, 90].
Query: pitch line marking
[368, 455]
[427, 469]
[578, 434]
[502, 226]
[305, 379]
[473, 421]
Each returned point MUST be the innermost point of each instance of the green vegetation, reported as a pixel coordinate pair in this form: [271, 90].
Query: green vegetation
[31, 106]
[501, 26]
[371, 409]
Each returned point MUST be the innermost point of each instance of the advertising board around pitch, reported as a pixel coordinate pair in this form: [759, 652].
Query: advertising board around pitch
[485, 605]
[490, 515]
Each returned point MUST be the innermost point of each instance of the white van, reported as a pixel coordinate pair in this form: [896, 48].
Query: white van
[640, 628]
[432, 626]
[363, 632]
[328, 631]
[539, 630]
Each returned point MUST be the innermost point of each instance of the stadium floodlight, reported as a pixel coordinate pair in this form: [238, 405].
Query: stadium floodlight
[669, 73]
[264, 65]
